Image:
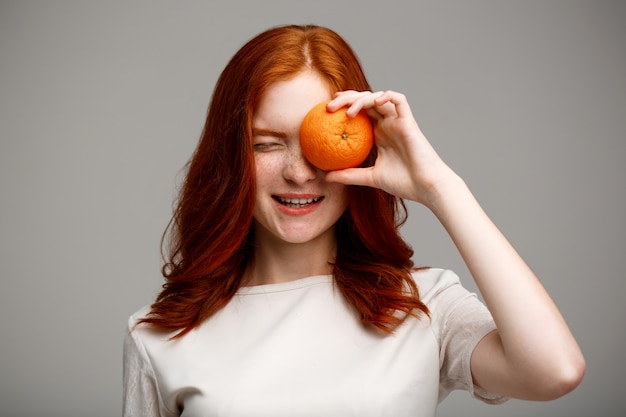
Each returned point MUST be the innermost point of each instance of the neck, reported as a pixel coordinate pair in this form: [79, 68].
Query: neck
[280, 261]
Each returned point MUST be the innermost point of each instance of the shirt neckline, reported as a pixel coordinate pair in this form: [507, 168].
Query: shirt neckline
[285, 286]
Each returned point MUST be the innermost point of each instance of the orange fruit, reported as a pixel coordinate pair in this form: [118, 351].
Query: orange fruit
[333, 141]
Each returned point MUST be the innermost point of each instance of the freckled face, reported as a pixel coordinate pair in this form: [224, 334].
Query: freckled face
[293, 202]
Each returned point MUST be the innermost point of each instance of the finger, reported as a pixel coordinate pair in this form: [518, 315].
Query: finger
[379, 105]
[352, 176]
[397, 100]
[344, 99]
[386, 109]
[366, 102]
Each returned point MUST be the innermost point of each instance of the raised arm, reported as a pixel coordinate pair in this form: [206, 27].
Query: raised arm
[533, 354]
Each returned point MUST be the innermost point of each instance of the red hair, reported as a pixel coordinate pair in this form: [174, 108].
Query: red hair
[211, 234]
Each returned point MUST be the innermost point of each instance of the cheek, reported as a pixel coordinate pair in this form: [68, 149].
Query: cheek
[266, 169]
[340, 195]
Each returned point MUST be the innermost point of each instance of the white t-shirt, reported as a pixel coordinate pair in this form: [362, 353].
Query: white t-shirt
[296, 349]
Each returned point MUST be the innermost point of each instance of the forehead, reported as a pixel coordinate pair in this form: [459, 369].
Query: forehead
[286, 102]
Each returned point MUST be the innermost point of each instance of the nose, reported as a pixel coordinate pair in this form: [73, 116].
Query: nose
[298, 169]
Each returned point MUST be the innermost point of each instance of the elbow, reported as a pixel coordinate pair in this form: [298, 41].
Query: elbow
[563, 379]
[571, 377]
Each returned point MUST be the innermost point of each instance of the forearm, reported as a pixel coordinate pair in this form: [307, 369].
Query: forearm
[503, 278]
[535, 341]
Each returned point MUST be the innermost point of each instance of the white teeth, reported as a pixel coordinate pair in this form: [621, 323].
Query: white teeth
[298, 201]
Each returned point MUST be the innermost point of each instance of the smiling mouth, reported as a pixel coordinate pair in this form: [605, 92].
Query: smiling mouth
[296, 202]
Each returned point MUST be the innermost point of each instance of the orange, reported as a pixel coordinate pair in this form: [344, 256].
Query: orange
[333, 141]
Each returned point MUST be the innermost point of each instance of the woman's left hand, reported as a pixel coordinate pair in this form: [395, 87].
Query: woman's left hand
[407, 166]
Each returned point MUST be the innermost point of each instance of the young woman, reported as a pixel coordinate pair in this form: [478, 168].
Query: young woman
[289, 290]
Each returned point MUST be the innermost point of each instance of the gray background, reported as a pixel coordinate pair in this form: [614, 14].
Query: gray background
[101, 104]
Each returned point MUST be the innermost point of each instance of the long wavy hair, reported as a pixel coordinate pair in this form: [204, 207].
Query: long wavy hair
[209, 240]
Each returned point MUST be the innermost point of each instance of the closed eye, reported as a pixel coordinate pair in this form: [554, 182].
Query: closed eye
[266, 140]
[267, 146]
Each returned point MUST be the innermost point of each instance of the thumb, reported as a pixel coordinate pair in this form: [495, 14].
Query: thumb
[352, 176]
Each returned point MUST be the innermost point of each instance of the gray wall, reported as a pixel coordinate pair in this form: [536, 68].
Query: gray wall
[101, 104]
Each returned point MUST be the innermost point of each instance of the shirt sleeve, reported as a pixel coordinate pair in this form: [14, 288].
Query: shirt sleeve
[140, 390]
[460, 320]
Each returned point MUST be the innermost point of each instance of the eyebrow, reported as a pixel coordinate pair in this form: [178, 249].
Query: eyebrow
[268, 132]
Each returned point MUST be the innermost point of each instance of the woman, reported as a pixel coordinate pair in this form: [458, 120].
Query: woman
[290, 292]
